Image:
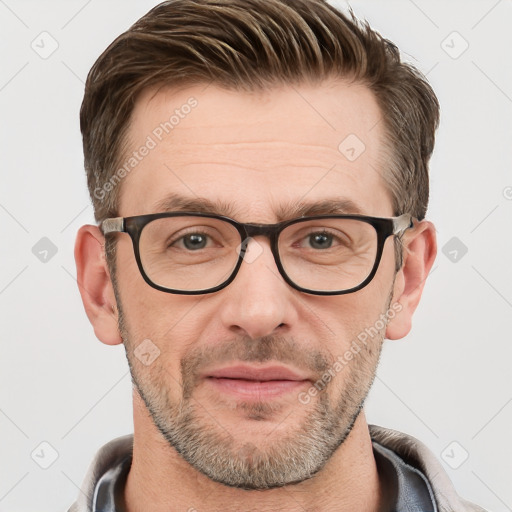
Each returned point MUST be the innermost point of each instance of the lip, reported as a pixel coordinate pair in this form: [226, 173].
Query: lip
[255, 389]
[252, 383]
[254, 373]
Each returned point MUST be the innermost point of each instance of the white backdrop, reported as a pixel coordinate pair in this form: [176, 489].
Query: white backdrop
[449, 383]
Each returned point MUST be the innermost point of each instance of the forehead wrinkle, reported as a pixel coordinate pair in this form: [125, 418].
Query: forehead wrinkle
[254, 156]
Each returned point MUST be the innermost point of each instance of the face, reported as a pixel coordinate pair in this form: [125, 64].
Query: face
[256, 157]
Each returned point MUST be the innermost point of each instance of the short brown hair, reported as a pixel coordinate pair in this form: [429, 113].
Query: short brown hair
[251, 45]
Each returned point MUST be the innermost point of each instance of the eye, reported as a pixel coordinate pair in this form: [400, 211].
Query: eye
[321, 240]
[192, 241]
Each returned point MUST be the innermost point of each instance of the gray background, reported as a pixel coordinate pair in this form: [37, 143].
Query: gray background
[448, 383]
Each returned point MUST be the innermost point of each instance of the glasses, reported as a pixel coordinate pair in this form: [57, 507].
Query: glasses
[194, 253]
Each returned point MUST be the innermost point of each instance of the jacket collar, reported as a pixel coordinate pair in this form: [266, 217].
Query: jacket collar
[415, 453]
[410, 449]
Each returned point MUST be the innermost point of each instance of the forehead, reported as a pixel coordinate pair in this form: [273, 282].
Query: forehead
[256, 152]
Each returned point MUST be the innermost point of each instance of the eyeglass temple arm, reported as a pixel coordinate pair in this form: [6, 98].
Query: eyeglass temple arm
[112, 225]
[401, 223]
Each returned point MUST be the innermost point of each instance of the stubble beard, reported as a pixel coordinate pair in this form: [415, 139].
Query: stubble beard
[284, 460]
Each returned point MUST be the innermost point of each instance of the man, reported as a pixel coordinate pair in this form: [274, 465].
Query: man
[259, 173]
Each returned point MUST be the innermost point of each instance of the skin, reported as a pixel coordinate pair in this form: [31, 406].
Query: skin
[259, 153]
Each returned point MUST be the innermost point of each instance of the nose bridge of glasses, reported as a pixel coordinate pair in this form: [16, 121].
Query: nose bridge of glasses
[253, 231]
[267, 230]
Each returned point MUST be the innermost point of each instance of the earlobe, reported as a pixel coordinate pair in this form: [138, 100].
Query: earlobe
[95, 285]
[419, 253]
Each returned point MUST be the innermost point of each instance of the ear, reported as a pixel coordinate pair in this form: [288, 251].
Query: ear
[419, 253]
[95, 285]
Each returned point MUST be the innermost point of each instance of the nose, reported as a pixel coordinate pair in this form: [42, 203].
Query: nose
[258, 302]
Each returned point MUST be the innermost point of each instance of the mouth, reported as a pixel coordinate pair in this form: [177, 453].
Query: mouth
[258, 383]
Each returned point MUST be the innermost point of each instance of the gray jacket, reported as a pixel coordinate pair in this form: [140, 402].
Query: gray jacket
[416, 454]
[412, 451]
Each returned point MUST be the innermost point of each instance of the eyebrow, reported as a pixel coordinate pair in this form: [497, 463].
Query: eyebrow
[328, 206]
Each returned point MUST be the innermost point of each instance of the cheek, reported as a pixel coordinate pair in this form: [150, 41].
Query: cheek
[347, 314]
[355, 322]
[359, 325]
[148, 312]
[171, 322]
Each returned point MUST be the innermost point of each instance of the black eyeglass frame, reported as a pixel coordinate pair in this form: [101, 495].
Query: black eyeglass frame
[384, 227]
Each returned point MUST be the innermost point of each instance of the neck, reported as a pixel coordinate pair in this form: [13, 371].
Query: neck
[161, 477]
